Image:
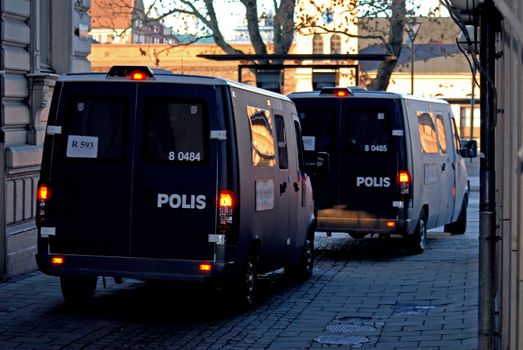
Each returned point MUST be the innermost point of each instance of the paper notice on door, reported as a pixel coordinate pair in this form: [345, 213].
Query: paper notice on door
[309, 143]
[82, 146]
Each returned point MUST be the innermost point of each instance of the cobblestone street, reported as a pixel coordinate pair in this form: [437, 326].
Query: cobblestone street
[364, 294]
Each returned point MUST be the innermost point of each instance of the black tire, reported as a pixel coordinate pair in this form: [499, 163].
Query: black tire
[305, 265]
[417, 242]
[459, 226]
[244, 291]
[78, 290]
[357, 235]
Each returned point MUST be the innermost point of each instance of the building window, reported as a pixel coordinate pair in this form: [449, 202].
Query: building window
[317, 44]
[44, 36]
[335, 44]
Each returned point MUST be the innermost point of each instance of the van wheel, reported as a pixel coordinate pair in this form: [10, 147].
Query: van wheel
[245, 288]
[460, 226]
[357, 235]
[417, 242]
[78, 290]
[304, 267]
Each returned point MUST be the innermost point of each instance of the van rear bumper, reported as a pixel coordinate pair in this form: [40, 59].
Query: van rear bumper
[362, 225]
[133, 267]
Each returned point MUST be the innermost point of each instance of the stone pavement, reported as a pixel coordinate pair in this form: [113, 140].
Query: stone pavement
[366, 294]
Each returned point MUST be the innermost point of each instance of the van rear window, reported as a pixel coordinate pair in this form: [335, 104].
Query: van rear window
[368, 131]
[94, 127]
[174, 131]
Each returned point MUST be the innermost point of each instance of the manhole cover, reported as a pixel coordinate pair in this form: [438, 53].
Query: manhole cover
[341, 340]
[351, 328]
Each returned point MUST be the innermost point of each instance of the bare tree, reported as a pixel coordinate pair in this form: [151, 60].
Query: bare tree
[357, 14]
[200, 20]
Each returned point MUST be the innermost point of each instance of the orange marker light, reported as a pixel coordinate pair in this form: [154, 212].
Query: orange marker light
[43, 192]
[391, 224]
[205, 267]
[137, 76]
[57, 260]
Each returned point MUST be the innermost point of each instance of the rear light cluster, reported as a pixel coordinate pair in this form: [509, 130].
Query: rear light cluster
[226, 207]
[42, 196]
[404, 182]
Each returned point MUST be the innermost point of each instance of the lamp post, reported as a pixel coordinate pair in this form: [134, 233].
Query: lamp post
[412, 32]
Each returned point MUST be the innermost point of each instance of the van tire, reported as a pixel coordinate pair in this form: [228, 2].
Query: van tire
[459, 226]
[303, 268]
[417, 242]
[78, 290]
[244, 291]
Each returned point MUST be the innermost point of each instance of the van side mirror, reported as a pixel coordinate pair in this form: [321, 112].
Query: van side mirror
[323, 160]
[321, 163]
[469, 149]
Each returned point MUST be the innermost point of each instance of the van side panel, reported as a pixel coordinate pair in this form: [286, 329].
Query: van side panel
[427, 162]
[258, 185]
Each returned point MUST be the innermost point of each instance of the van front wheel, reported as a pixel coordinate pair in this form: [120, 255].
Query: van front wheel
[460, 226]
[417, 242]
[78, 290]
[304, 267]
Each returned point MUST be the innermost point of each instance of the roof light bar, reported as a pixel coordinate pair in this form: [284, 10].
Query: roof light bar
[131, 72]
[336, 91]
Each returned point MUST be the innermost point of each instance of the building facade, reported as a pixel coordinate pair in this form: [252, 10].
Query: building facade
[39, 40]
[127, 22]
[509, 171]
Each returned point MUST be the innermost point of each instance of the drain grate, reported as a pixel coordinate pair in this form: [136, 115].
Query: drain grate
[341, 340]
[351, 328]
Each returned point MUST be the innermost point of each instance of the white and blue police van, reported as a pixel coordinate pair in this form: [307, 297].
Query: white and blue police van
[385, 163]
[171, 177]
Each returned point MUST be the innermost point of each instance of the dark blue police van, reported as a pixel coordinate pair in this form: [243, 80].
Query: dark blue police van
[171, 177]
[385, 163]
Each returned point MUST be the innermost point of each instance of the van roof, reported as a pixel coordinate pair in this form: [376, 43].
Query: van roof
[366, 94]
[164, 76]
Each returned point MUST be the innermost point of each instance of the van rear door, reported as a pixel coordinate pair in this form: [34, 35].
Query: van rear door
[175, 176]
[372, 152]
[90, 169]
[319, 121]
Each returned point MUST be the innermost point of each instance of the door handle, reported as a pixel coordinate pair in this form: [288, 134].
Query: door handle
[443, 166]
[283, 187]
[296, 186]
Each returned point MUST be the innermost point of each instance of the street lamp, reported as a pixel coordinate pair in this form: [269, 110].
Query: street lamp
[412, 32]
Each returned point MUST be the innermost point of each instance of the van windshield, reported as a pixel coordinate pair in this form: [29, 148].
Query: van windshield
[174, 131]
[368, 131]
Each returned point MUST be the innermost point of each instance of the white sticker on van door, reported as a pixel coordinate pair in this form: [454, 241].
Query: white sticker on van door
[430, 173]
[309, 143]
[82, 146]
[264, 195]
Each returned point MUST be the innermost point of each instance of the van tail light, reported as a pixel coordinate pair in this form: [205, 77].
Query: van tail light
[42, 196]
[226, 205]
[404, 182]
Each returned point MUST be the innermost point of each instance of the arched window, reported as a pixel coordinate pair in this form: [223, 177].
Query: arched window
[317, 44]
[335, 44]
